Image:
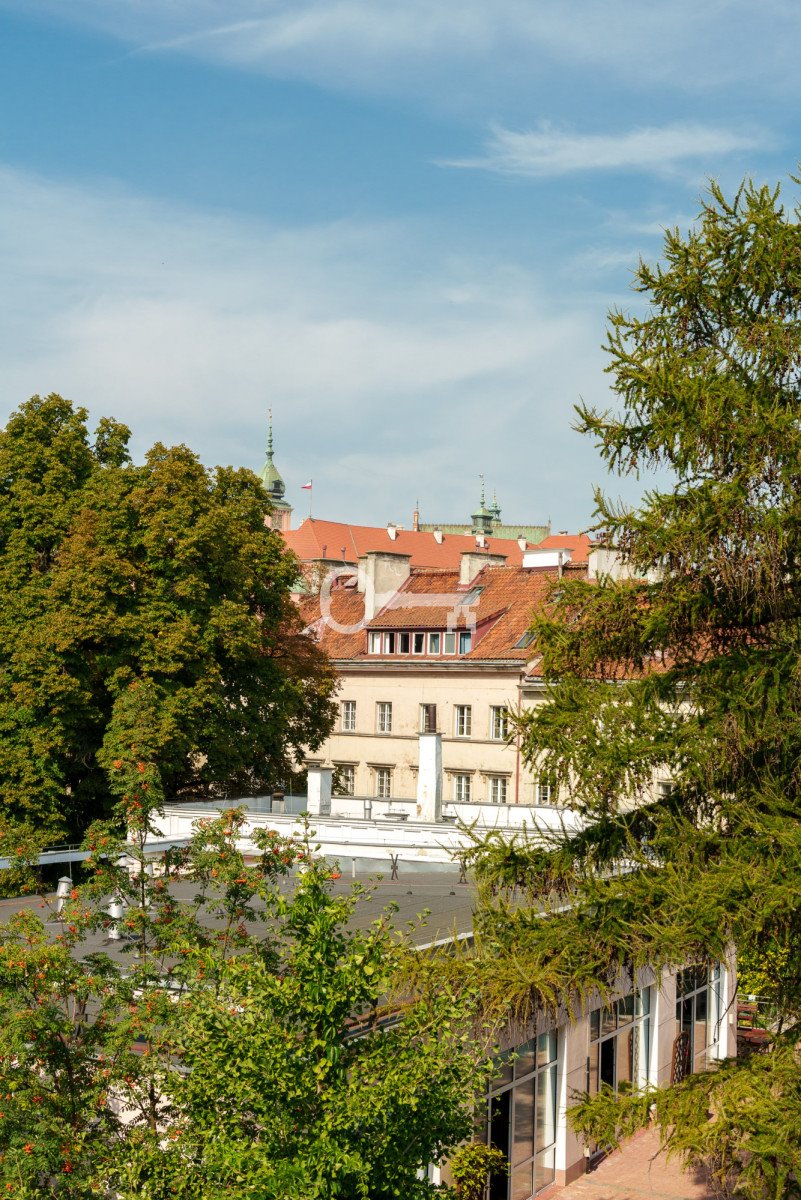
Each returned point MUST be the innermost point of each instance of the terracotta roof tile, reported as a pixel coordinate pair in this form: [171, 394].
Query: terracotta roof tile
[315, 539]
[578, 543]
[500, 612]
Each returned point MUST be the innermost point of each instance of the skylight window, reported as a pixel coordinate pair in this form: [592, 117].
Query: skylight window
[525, 641]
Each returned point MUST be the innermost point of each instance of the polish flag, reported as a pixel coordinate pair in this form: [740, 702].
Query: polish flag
[306, 486]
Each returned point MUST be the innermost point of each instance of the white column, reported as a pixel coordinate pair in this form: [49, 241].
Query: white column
[429, 777]
[318, 795]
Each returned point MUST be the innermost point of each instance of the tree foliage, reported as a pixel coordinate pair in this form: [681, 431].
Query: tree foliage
[162, 573]
[687, 670]
[235, 1041]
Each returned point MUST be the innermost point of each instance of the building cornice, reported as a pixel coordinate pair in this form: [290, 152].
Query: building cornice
[421, 667]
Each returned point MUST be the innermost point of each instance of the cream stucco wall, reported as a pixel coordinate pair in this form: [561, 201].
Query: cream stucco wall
[479, 755]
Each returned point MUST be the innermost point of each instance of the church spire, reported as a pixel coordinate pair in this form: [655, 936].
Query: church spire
[274, 485]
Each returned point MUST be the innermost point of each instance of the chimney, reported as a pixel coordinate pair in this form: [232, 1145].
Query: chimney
[473, 562]
[522, 543]
[546, 558]
[438, 537]
[392, 530]
[429, 777]
[381, 573]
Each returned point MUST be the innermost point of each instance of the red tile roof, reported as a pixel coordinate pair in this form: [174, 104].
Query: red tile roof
[500, 613]
[578, 543]
[315, 539]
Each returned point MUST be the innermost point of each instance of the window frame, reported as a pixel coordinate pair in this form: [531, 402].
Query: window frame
[463, 716]
[383, 716]
[382, 777]
[499, 714]
[502, 783]
[347, 725]
[350, 769]
[427, 711]
[462, 782]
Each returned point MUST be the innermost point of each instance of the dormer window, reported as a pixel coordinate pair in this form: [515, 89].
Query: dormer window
[465, 641]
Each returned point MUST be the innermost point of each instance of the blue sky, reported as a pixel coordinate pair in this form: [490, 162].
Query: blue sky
[400, 225]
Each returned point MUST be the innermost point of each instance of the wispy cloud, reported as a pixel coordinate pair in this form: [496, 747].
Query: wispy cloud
[548, 151]
[377, 346]
[461, 47]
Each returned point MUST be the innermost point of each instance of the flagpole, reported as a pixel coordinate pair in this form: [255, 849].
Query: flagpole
[311, 493]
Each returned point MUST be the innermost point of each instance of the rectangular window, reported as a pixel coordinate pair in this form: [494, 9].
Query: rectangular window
[419, 643]
[619, 1044]
[449, 643]
[497, 789]
[465, 641]
[344, 779]
[374, 642]
[383, 782]
[389, 643]
[499, 722]
[545, 792]
[404, 642]
[461, 788]
[348, 716]
[463, 723]
[428, 718]
[383, 714]
[433, 643]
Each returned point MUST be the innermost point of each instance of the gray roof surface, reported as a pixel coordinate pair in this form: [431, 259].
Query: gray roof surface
[449, 902]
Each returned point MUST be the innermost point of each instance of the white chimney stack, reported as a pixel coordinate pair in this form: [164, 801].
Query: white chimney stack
[429, 777]
[438, 537]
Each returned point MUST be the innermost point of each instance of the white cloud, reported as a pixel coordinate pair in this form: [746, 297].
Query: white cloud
[462, 50]
[548, 151]
[394, 365]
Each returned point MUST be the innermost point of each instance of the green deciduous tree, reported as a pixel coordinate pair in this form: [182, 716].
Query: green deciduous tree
[235, 1041]
[162, 573]
[690, 671]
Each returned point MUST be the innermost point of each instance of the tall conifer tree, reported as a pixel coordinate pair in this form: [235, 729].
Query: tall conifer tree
[688, 671]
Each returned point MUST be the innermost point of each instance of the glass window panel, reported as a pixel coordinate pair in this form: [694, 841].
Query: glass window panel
[433, 643]
[418, 643]
[522, 1183]
[700, 1038]
[608, 1021]
[503, 1070]
[465, 642]
[499, 1129]
[546, 1108]
[544, 1170]
[526, 1058]
[593, 1062]
[546, 1047]
[606, 1070]
[595, 1024]
[625, 1009]
[644, 1001]
[624, 1058]
[645, 1051]
[523, 1121]
[404, 642]
[449, 643]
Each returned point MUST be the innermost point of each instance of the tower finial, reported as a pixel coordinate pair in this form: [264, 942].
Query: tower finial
[481, 477]
[270, 435]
